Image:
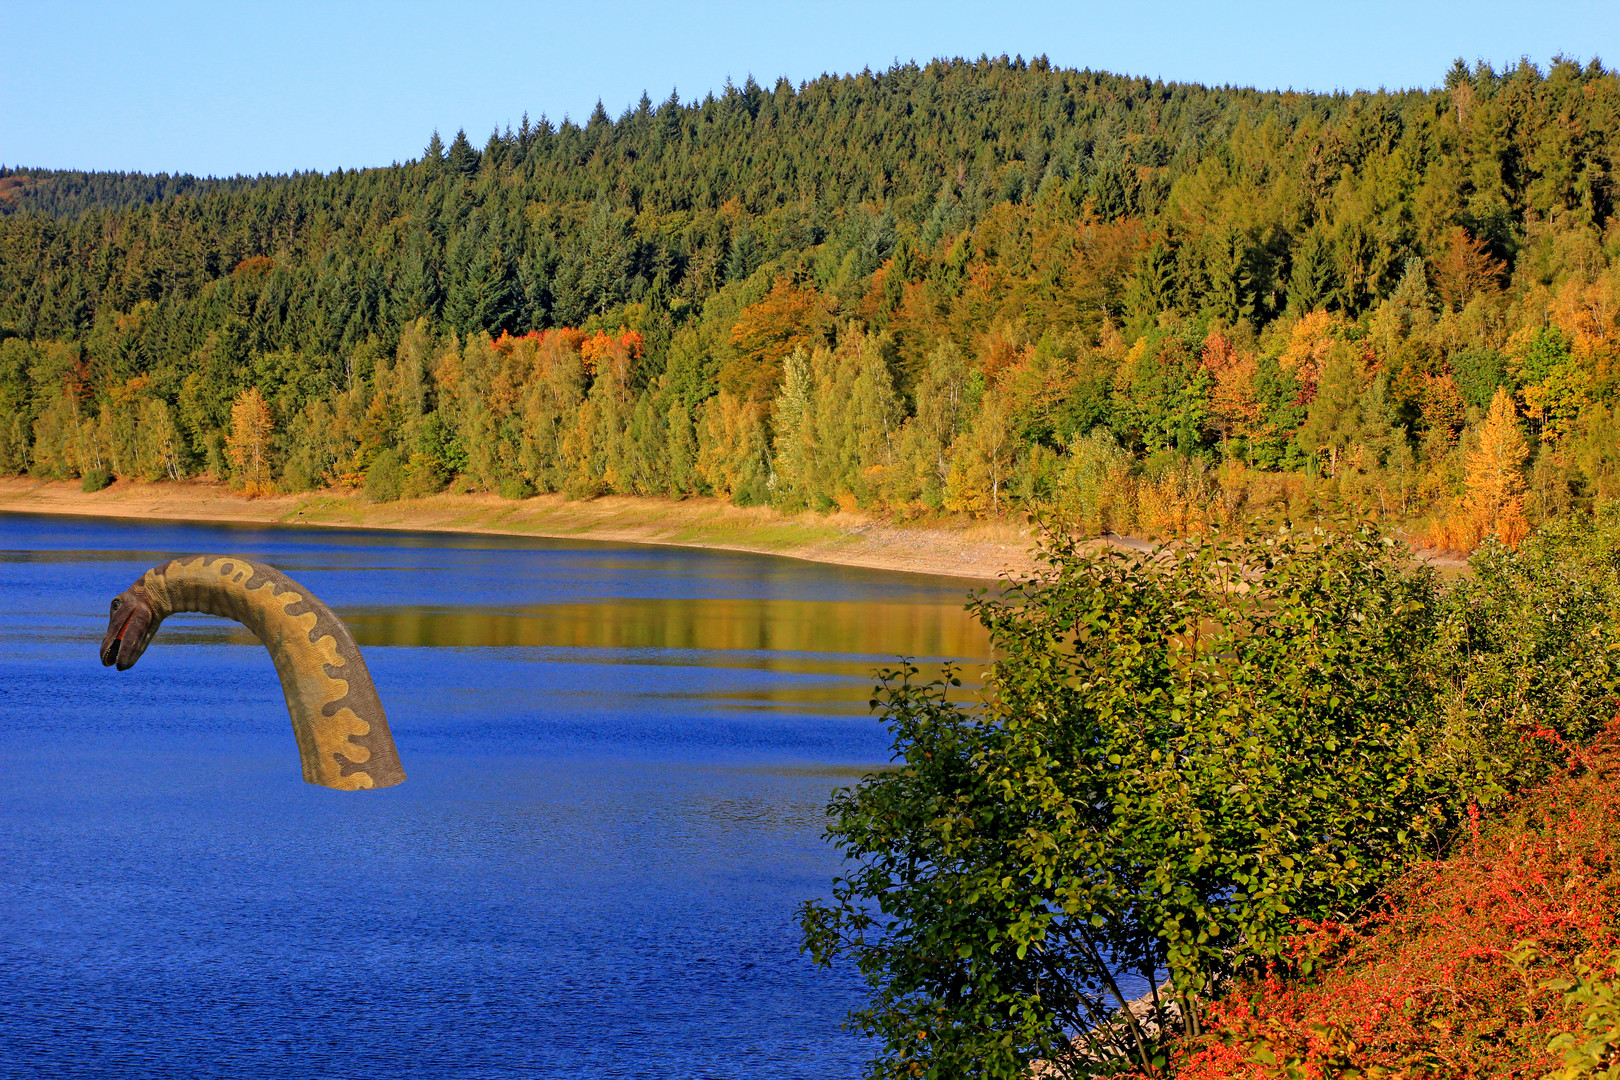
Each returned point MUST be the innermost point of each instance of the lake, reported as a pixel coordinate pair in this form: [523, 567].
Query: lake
[618, 761]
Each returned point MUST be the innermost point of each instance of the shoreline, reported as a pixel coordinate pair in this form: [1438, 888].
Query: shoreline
[977, 551]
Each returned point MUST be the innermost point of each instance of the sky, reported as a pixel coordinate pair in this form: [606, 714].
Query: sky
[240, 86]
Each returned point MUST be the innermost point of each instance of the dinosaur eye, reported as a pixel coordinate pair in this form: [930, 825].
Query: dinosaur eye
[116, 601]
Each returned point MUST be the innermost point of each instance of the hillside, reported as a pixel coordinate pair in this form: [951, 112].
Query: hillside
[975, 286]
[68, 193]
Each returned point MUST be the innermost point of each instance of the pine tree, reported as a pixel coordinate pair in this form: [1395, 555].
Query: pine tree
[433, 157]
[462, 161]
[1314, 281]
[745, 255]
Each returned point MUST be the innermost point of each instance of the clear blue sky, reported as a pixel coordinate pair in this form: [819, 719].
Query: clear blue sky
[243, 86]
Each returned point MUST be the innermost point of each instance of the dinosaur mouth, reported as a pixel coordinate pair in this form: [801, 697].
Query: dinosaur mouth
[112, 642]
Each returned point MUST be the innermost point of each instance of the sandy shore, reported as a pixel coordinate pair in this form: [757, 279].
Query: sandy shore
[977, 550]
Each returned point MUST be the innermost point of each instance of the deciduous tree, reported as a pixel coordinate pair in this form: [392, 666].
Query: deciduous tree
[248, 445]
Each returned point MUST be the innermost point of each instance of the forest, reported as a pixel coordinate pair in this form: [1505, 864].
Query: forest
[972, 287]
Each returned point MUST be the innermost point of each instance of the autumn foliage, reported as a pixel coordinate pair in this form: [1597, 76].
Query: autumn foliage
[248, 444]
[1461, 971]
[1159, 309]
[1493, 504]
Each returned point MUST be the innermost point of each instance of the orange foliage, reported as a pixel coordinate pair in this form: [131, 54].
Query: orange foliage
[1494, 504]
[1004, 346]
[1237, 408]
[131, 391]
[613, 357]
[1308, 345]
[1466, 269]
[1443, 406]
[766, 333]
[566, 336]
[1587, 312]
[1450, 978]
[254, 266]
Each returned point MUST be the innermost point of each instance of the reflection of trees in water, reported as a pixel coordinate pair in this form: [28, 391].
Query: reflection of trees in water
[865, 628]
[821, 654]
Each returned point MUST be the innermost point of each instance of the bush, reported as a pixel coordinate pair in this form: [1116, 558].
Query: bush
[1487, 964]
[423, 476]
[1528, 654]
[96, 479]
[384, 478]
[296, 476]
[1178, 756]
[514, 487]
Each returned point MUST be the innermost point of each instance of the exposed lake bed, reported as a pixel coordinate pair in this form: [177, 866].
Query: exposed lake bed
[958, 547]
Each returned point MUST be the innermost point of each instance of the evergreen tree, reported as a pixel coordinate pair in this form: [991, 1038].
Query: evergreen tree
[1313, 282]
[745, 255]
[433, 157]
[462, 161]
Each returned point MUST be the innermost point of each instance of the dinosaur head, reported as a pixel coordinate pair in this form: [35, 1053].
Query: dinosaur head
[131, 626]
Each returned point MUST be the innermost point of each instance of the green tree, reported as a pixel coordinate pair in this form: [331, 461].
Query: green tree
[1334, 420]
[1165, 773]
[160, 447]
[385, 477]
[1313, 282]
[793, 415]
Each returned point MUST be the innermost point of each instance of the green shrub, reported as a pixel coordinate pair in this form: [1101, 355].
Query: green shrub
[1528, 654]
[96, 479]
[514, 487]
[384, 478]
[295, 476]
[423, 476]
[1594, 991]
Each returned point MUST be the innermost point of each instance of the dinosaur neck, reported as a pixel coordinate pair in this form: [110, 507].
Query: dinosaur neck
[337, 718]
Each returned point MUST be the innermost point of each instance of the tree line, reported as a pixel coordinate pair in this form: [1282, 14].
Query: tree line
[967, 286]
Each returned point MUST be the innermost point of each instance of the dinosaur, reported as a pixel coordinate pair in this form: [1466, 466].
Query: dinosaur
[337, 718]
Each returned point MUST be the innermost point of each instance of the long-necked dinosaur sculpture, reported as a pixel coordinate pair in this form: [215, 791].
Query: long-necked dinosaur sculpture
[343, 737]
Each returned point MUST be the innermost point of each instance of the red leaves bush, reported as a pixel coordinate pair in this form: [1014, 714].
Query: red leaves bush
[1449, 979]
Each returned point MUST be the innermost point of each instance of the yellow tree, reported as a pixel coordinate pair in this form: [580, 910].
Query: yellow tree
[248, 444]
[1495, 499]
[159, 446]
[981, 461]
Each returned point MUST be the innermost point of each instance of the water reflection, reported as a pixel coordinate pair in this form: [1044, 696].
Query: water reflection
[870, 629]
[619, 760]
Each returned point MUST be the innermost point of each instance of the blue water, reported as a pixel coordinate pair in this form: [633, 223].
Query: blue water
[618, 761]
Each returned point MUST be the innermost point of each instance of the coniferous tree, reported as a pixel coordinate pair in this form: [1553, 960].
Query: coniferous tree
[1312, 284]
[462, 161]
[433, 157]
